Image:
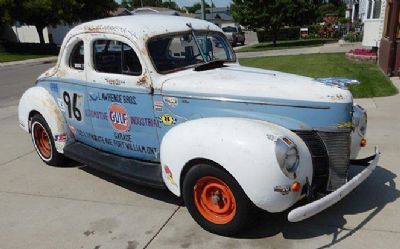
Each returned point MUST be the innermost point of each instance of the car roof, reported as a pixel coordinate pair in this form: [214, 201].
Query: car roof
[143, 26]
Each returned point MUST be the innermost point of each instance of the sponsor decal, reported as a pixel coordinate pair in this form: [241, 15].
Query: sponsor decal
[171, 101]
[115, 82]
[118, 117]
[158, 106]
[168, 173]
[167, 119]
[111, 97]
[122, 136]
[96, 114]
[150, 122]
[120, 144]
[60, 138]
[60, 103]
[54, 87]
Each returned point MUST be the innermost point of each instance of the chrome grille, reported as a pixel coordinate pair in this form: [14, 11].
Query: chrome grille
[338, 149]
[330, 153]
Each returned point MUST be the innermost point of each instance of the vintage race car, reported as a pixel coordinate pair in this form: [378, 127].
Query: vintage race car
[162, 101]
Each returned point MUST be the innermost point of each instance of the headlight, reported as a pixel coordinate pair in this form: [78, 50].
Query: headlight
[359, 120]
[287, 156]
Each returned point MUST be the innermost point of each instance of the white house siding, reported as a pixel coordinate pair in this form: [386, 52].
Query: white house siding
[373, 28]
[27, 34]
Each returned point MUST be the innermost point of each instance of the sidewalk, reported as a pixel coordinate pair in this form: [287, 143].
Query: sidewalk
[326, 48]
[30, 61]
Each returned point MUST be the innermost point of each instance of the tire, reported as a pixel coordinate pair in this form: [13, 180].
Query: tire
[43, 141]
[227, 207]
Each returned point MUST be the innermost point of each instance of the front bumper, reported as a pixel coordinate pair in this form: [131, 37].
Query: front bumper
[317, 206]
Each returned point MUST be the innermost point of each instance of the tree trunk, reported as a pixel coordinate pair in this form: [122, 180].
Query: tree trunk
[274, 36]
[39, 29]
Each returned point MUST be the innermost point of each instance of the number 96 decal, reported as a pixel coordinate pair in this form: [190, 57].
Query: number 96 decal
[73, 105]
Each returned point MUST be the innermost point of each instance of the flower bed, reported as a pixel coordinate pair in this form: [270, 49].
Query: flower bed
[362, 55]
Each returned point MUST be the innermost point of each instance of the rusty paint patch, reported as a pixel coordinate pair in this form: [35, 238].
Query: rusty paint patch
[336, 97]
[143, 80]
[345, 125]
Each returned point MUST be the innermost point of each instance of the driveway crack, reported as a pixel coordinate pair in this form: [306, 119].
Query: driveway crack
[161, 228]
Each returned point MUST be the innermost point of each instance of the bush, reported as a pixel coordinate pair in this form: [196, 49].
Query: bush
[284, 34]
[353, 37]
[30, 48]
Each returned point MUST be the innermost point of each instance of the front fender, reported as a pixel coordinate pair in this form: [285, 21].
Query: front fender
[243, 147]
[38, 99]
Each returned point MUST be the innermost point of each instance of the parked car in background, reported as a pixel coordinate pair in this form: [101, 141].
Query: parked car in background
[234, 34]
[162, 101]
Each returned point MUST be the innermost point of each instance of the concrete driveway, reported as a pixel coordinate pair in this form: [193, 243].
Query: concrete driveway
[75, 207]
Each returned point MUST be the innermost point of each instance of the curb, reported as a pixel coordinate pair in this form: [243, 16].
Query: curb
[30, 61]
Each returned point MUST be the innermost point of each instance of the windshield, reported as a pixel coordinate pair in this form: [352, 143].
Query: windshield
[179, 51]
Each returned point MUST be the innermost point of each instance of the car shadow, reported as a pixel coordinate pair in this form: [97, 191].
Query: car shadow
[370, 197]
[158, 194]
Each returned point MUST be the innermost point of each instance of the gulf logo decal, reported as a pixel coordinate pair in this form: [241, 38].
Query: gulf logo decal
[118, 117]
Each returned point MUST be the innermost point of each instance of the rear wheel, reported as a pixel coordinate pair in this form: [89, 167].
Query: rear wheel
[215, 200]
[43, 141]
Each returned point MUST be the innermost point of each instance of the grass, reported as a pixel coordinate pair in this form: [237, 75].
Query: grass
[7, 57]
[284, 45]
[373, 82]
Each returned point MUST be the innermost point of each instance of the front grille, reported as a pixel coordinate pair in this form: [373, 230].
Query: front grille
[330, 153]
[338, 149]
[319, 159]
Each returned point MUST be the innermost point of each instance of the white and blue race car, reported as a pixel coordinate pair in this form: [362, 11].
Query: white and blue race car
[162, 101]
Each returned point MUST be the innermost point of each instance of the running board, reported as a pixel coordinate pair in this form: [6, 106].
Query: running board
[144, 173]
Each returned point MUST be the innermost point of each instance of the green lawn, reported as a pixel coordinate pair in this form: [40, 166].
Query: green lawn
[7, 57]
[284, 45]
[373, 82]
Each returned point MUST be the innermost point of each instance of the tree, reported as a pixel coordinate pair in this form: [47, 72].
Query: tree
[273, 14]
[42, 13]
[133, 4]
[196, 6]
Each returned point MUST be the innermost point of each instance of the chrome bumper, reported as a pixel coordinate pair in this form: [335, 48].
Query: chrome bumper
[317, 206]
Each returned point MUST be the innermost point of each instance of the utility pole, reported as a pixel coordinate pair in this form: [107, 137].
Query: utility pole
[203, 10]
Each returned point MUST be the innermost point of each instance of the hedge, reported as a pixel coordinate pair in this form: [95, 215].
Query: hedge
[30, 48]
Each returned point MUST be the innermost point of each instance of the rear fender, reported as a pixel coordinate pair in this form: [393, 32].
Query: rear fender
[38, 100]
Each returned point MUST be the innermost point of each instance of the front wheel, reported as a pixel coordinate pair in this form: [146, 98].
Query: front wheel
[43, 141]
[215, 200]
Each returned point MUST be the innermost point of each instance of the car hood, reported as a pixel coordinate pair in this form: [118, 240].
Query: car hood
[251, 84]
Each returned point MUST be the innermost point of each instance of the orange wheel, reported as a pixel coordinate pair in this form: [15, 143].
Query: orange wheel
[214, 200]
[42, 141]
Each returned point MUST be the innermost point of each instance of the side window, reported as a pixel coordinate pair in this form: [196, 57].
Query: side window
[115, 57]
[76, 59]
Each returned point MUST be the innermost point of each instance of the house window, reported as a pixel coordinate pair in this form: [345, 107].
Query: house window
[76, 59]
[374, 9]
[111, 56]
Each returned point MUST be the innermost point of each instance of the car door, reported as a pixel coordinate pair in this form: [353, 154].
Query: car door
[69, 89]
[120, 99]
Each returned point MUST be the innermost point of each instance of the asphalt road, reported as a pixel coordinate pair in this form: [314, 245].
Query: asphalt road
[47, 207]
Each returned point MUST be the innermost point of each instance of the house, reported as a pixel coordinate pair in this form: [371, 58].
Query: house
[220, 16]
[372, 13]
[389, 50]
